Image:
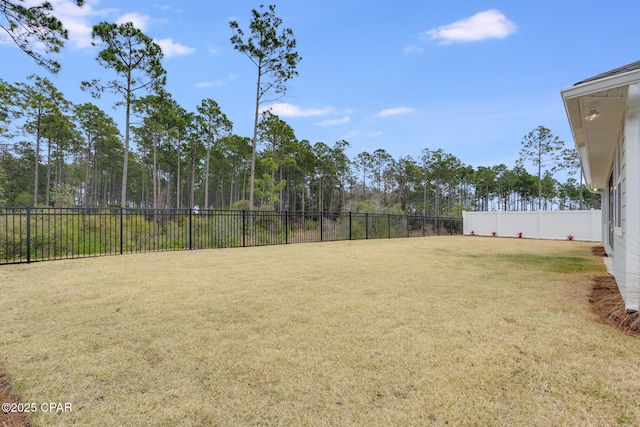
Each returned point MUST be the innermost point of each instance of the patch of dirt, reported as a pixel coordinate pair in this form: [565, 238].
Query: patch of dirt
[607, 303]
[8, 395]
[598, 251]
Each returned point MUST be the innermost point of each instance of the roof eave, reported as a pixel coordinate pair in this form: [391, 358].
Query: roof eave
[572, 98]
[605, 83]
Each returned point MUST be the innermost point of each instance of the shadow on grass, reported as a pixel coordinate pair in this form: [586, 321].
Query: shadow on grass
[553, 263]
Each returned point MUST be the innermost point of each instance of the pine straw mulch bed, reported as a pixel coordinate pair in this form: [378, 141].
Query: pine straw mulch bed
[606, 304]
[8, 395]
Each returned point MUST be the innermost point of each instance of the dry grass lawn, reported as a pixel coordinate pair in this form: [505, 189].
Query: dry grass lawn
[422, 331]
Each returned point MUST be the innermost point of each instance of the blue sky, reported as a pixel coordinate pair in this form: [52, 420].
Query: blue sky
[469, 77]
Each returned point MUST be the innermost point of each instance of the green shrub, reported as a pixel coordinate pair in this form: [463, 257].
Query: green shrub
[240, 205]
[23, 199]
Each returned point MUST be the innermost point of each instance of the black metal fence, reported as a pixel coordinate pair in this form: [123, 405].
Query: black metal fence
[29, 234]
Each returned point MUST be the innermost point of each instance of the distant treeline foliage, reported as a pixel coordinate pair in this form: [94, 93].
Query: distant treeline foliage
[60, 154]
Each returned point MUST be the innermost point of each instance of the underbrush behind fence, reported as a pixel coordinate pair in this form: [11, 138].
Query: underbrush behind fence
[29, 234]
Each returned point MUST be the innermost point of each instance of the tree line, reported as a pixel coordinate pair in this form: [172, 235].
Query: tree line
[57, 153]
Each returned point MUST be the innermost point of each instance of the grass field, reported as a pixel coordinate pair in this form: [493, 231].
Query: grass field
[423, 331]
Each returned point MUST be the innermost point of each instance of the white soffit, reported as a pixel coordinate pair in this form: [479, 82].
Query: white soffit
[596, 140]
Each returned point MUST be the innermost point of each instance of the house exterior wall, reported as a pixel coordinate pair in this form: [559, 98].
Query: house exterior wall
[626, 237]
[609, 149]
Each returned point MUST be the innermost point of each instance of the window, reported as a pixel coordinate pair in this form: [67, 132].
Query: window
[618, 194]
[610, 212]
[618, 205]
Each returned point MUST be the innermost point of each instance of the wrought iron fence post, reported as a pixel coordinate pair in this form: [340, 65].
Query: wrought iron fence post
[389, 224]
[321, 226]
[121, 229]
[190, 228]
[350, 226]
[366, 225]
[406, 223]
[28, 234]
[286, 227]
[244, 228]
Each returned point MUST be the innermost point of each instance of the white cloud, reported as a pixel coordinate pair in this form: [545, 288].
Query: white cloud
[362, 134]
[169, 8]
[413, 49]
[79, 32]
[288, 110]
[490, 24]
[76, 20]
[216, 83]
[333, 122]
[394, 112]
[139, 21]
[79, 21]
[171, 48]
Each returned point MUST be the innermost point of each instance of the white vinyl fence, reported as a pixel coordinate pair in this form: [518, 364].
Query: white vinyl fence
[554, 225]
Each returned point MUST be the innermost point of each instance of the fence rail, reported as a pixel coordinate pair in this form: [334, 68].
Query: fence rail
[29, 234]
